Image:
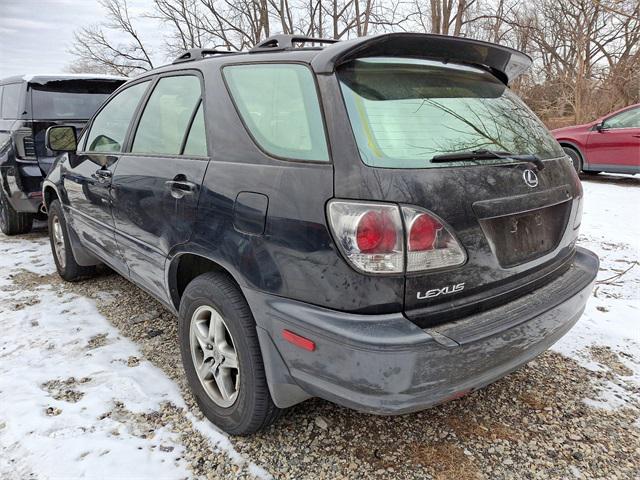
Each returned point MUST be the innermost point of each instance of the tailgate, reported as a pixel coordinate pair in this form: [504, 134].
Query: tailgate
[392, 141]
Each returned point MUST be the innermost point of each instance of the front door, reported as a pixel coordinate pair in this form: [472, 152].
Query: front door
[616, 147]
[156, 186]
[87, 182]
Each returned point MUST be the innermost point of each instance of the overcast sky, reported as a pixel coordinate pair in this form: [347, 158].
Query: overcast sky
[35, 35]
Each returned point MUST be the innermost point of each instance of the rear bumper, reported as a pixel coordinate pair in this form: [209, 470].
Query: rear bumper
[385, 364]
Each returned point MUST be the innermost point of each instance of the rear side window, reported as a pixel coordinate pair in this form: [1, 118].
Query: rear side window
[167, 116]
[109, 127]
[197, 140]
[11, 100]
[279, 105]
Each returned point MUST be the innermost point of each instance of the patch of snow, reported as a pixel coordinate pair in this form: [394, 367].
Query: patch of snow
[611, 229]
[610, 397]
[33, 256]
[48, 341]
[55, 340]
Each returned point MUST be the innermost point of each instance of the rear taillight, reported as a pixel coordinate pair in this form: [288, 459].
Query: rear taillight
[431, 244]
[369, 235]
[372, 237]
[25, 145]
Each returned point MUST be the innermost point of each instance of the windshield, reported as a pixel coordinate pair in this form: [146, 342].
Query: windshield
[69, 99]
[404, 112]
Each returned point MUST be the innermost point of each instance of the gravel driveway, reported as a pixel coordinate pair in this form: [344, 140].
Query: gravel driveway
[572, 413]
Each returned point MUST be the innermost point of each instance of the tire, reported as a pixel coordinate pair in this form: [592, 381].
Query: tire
[575, 157]
[11, 221]
[247, 407]
[63, 257]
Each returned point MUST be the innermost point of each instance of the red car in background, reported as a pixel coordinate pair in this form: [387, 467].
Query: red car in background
[608, 144]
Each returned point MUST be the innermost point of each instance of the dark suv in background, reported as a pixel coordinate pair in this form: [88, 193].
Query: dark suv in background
[28, 106]
[380, 222]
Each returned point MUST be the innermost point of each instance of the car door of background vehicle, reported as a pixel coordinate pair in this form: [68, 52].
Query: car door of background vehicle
[617, 145]
[157, 183]
[87, 181]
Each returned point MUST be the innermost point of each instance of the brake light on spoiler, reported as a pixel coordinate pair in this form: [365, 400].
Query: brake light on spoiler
[374, 237]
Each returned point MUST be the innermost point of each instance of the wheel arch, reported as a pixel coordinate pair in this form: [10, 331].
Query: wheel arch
[186, 266]
[573, 146]
[49, 194]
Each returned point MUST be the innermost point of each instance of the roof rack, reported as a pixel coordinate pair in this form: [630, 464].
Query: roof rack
[199, 54]
[278, 43]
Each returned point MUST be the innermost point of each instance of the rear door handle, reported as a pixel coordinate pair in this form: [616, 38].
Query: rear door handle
[180, 188]
[636, 136]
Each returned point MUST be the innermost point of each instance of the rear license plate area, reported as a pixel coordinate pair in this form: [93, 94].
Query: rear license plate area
[522, 237]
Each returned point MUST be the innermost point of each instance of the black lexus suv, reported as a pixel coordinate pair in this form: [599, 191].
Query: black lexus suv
[379, 222]
[29, 104]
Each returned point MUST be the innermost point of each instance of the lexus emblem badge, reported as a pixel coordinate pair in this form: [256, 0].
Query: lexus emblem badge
[530, 178]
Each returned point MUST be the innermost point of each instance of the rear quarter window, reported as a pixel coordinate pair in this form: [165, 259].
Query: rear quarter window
[279, 105]
[11, 96]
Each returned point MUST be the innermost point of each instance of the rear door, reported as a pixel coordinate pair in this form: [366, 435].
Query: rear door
[87, 180]
[617, 146]
[156, 185]
[511, 218]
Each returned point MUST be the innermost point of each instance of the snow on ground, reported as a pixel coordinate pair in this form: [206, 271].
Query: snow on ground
[610, 228]
[63, 370]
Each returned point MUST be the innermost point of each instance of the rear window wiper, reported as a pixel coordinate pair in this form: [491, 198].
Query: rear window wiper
[486, 155]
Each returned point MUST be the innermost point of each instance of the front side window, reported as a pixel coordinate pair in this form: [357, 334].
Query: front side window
[627, 119]
[109, 127]
[167, 116]
[404, 112]
[279, 105]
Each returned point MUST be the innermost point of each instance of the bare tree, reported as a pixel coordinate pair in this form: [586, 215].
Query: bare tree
[586, 52]
[94, 48]
[185, 20]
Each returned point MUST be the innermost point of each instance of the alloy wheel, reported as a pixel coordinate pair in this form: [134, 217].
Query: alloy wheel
[58, 241]
[214, 356]
[4, 212]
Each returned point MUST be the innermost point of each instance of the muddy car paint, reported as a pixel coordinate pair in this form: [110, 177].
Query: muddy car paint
[291, 271]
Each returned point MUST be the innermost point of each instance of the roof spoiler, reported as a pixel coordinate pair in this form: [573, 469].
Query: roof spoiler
[503, 62]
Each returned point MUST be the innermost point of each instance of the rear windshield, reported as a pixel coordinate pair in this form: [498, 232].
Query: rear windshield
[404, 112]
[69, 99]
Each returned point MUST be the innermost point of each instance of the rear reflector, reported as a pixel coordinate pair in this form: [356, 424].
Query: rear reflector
[298, 340]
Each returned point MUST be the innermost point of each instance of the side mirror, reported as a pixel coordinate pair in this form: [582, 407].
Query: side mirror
[600, 127]
[61, 138]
